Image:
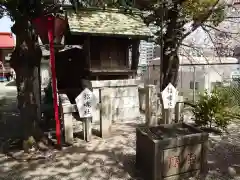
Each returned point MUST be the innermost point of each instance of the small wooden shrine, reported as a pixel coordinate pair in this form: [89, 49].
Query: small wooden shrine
[110, 41]
[108, 58]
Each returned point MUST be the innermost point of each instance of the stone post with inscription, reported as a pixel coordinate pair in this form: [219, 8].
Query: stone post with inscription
[169, 97]
[106, 112]
[152, 106]
[179, 109]
[85, 102]
[67, 117]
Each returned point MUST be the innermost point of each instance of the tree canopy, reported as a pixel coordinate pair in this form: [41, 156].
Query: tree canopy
[174, 19]
[182, 17]
[195, 11]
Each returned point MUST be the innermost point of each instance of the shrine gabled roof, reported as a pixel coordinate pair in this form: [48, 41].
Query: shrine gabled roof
[96, 22]
[6, 40]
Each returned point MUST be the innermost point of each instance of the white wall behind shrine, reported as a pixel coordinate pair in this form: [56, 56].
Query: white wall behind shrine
[44, 73]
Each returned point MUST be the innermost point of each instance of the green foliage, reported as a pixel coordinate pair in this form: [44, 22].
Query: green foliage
[198, 9]
[212, 109]
[188, 10]
[218, 15]
[175, 21]
[21, 8]
[233, 92]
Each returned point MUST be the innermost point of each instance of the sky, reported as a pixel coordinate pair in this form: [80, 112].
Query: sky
[5, 24]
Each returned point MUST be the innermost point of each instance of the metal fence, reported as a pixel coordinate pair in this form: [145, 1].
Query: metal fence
[195, 79]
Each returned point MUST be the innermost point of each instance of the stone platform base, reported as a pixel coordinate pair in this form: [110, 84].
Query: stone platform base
[117, 100]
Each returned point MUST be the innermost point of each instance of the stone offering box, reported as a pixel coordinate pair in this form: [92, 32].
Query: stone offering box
[171, 152]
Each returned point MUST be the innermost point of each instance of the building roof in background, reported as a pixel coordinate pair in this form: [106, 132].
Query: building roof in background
[112, 22]
[184, 60]
[236, 2]
[6, 40]
[195, 60]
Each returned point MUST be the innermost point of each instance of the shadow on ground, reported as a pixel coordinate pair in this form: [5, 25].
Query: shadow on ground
[10, 125]
[224, 154]
[112, 158]
[11, 83]
[103, 159]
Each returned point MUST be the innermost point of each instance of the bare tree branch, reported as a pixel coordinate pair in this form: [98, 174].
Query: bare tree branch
[188, 57]
[187, 45]
[219, 30]
[200, 21]
[210, 37]
[191, 59]
[231, 21]
[233, 17]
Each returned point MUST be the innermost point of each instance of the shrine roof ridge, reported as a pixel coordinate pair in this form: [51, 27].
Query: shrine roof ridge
[109, 22]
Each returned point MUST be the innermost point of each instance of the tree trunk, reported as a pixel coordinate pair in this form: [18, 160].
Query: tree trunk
[26, 60]
[170, 67]
[170, 62]
[28, 97]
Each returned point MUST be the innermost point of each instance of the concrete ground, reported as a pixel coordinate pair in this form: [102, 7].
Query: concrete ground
[109, 159]
[7, 89]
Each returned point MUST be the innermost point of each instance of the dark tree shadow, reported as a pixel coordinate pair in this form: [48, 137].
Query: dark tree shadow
[224, 152]
[112, 158]
[11, 83]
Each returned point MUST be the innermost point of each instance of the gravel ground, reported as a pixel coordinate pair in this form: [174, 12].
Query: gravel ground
[114, 158]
